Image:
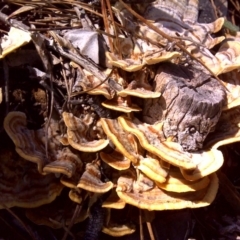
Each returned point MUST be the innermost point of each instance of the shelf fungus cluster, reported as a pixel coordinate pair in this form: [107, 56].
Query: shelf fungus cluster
[22, 185]
[152, 140]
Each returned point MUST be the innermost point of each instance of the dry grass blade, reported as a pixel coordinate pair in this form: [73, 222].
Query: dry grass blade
[141, 225]
[6, 224]
[90, 89]
[106, 24]
[150, 231]
[76, 213]
[6, 87]
[21, 10]
[114, 28]
[28, 230]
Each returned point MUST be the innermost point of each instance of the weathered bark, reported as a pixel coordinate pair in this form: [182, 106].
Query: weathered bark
[190, 104]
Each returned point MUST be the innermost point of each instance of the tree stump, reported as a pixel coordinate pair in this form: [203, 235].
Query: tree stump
[189, 107]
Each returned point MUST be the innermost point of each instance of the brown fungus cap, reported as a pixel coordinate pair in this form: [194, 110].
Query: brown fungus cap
[21, 185]
[66, 163]
[180, 17]
[57, 214]
[140, 87]
[132, 180]
[121, 104]
[138, 92]
[71, 182]
[158, 199]
[91, 179]
[228, 55]
[125, 142]
[177, 183]
[113, 201]
[129, 65]
[116, 160]
[231, 80]
[117, 230]
[143, 183]
[114, 226]
[153, 168]
[29, 144]
[205, 167]
[138, 60]
[126, 180]
[225, 60]
[77, 134]
[75, 194]
[94, 86]
[227, 129]
[151, 139]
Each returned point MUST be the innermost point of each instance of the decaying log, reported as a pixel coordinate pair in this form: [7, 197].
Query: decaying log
[190, 105]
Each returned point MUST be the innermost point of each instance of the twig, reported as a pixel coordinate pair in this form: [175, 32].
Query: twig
[75, 214]
[6, 85]
[215, 9]
[39, 43]
[141, 225]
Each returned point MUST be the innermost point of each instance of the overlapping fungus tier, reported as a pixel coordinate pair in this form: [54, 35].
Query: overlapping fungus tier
[161, 152]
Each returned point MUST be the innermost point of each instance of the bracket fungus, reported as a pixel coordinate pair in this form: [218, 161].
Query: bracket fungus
[29, 143]
[125, 142]
[153, 168]
[225, 60]
[210, 162]
[57, 214]
[150, 136]
[75, 194]
[139, 87]
[140, 58]
[15, 39]
[231, 81]
[116, 160]
[138, 92]
[158, 199]
[118, 230]
[227, 130]
[121, 104]
[66, 163]
[94, 86]
[228, 56]
[175, 182]
[91, 179]
[113, 201]
[22, 186]
[77, 133]
[176, 19]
